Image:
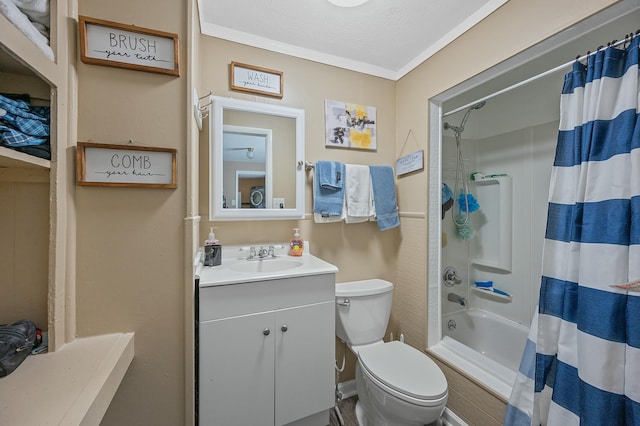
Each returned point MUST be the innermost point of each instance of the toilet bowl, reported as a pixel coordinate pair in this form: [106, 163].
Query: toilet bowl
[396, 383]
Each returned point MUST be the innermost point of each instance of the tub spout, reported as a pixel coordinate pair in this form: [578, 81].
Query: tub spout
[452, 297]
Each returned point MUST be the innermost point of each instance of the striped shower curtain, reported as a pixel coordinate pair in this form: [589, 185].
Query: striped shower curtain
[581, 364]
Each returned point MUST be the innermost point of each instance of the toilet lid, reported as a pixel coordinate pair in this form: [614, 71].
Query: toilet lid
[404, 369]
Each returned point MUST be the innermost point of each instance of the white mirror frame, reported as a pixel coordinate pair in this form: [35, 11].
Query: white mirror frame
[216, 128]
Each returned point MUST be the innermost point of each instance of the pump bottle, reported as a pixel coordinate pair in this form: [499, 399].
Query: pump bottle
[296, 245]
[212, 250]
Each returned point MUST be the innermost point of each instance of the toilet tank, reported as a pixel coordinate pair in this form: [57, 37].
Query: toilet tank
[362, 310]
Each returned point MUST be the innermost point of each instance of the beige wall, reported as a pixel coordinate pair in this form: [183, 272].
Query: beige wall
[131, 242]
[359, 250]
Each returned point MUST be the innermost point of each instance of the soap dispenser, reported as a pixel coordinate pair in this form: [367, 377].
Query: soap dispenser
[212, 250]
[296, 245]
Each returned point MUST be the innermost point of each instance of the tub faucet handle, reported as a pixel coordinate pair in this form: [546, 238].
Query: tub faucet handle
[451, 277]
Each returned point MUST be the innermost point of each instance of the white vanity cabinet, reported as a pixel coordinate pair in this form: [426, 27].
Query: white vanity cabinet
[266, 352]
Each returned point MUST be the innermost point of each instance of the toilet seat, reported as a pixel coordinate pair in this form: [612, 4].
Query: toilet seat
[404, 372]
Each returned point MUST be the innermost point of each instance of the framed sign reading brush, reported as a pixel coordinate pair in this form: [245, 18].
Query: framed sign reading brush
[127, 46]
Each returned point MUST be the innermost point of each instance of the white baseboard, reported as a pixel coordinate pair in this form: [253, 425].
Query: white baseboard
[449, 418]
[348, 389]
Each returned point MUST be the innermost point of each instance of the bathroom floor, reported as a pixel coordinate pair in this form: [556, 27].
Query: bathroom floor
[348, 411]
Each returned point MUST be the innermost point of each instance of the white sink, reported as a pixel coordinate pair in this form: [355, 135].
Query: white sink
[236, 269]
[265, 266]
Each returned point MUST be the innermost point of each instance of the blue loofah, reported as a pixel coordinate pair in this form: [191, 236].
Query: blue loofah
[465, 231]
[473, 203]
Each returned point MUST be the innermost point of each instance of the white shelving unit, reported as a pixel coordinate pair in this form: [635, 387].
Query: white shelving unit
[29, 183]
[75, 382]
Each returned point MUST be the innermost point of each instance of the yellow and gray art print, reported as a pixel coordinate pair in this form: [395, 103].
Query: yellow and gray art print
[349, 125]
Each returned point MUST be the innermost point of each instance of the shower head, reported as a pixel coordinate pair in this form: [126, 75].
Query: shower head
[458, 130]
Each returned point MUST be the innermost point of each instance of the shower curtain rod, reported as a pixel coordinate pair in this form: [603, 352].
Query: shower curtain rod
[543, 74]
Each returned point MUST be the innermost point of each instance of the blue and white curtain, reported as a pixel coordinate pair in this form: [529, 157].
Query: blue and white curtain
[581, 364]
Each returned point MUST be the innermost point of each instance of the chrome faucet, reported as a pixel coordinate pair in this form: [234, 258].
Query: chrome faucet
[450, 276]
[452, 297]
[262, 253]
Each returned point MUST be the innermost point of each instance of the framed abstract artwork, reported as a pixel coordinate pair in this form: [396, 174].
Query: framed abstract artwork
[349, 125]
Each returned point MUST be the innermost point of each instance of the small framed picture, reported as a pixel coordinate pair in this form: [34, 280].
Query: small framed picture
[127, 46]
[258, 80]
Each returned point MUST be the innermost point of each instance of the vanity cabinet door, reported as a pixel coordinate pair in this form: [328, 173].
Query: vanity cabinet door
[305, 353]
[237, 370]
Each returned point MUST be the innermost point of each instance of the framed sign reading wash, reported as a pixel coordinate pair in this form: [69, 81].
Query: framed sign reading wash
[125, 165]
[257, 80]
[127, 46]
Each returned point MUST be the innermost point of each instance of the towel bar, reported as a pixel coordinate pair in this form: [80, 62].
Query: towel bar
[308, 165]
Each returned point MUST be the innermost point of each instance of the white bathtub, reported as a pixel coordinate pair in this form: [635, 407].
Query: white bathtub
[484, 346]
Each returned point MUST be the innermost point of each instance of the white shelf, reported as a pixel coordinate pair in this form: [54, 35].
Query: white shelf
[493, 243]
[492, 295]
[71, 386]
[14, 159]
[14, 41]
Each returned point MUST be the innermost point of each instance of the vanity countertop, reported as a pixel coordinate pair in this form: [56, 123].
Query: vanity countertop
[235, 267]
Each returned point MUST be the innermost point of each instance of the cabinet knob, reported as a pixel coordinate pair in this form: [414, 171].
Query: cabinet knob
[284, 328]
[266, 331]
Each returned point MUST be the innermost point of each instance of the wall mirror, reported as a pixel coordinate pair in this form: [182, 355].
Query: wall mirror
[256, 165]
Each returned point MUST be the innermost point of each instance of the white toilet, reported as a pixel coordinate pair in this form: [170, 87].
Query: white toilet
[397, 384]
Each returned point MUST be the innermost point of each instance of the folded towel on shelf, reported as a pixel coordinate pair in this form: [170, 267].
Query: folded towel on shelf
[22, 22]
[328, 185]
[36, 10]
[357, 193]
[384, 197]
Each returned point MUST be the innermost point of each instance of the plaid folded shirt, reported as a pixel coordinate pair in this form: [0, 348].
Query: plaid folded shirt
[21, 124]
[14, 138]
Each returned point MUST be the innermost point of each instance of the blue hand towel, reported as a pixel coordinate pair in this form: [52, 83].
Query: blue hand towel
[328, 194]
[330, 175]
[384, 197]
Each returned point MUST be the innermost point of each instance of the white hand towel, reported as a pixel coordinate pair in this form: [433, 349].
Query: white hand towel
[20, 20]
[357, 193]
